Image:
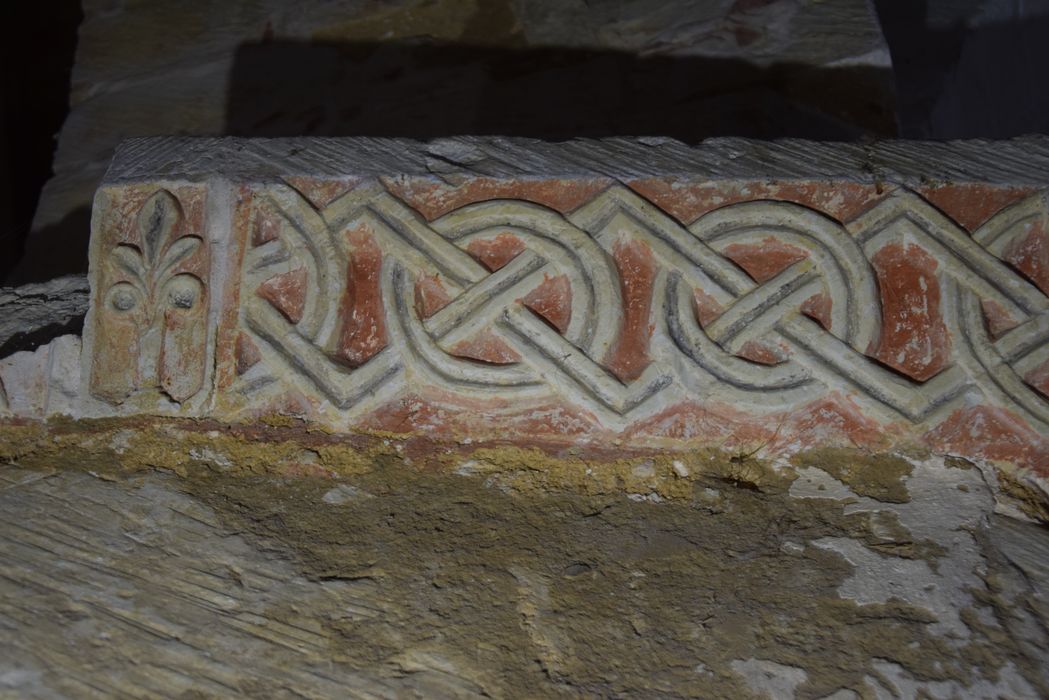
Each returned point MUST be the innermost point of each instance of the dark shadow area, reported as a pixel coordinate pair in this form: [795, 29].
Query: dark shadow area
[975, 76]
[281, 88]
[27, 342]
[968, 80]
[427, 90]
[37, 45]
[54, 251]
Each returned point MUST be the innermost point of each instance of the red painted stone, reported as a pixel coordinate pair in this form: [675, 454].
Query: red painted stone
[765, 261]
[332, 371]
[819, 307]
[996, 318]
[433, 198]
[1030, 255]
[494, 253]
[430, 295]
[322, 192]
[992, 433]
[972, 204]
[553, 301]
[1039, 378]
[914, 339]
[688, 420]
[762, 353]
[486, 347]
[435, 412]
[707, 307]
[150, 298]
[247, 352]
[266, 229]
[637, 271]
[687, 200]
[287, 293]
[362, 331]
[832, 421]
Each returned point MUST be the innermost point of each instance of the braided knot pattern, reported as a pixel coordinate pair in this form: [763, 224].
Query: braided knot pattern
[688, 359]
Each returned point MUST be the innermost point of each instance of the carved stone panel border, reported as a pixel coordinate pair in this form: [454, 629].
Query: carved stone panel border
[591, 309]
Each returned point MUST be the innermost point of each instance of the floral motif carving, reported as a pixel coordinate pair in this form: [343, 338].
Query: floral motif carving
[152, 317]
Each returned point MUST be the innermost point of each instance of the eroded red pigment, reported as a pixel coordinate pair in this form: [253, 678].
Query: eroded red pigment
[553, 301]
[266, 228]
[430, 295]
[433, 198]
[972, 204]
[287, 293]
[819, 307]
[1039, 378]
[228, 320]
[706, 307]
[687, 200]
[322, 192]
[996, 318]
[494, 253]
[1030, 255]
[688, 420]
[832, 421]
[247, 353]
[362, 323]
[762, 353]
[628, 358]
[914, 338]
[765, 261]
[290, 402]
[450, 415]
[992, 433]
[486, 347]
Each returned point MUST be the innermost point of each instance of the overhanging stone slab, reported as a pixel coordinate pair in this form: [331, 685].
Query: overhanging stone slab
[634, 292]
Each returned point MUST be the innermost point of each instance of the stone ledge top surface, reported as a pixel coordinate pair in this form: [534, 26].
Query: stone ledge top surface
[1014, 162]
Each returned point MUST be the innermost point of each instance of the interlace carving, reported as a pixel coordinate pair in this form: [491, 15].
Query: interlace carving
[689, 359]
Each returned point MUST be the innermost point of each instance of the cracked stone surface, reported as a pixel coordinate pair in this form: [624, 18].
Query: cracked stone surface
[395, 581]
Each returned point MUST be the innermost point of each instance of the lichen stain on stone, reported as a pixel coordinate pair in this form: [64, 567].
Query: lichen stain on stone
[275, 445]
[879, 476]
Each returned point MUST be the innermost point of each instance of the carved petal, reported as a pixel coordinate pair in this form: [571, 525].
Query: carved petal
[129, 259]
[179, 251]
[158, 220]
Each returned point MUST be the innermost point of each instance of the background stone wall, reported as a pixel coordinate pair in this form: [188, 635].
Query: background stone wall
[425, 68]
[546, 68]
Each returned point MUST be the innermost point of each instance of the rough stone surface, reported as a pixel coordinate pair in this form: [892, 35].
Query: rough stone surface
[394, 578]
[34, 314]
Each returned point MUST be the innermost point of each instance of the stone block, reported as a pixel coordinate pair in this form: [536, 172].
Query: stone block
[43, 382]
[637, 293]
[23, 383]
